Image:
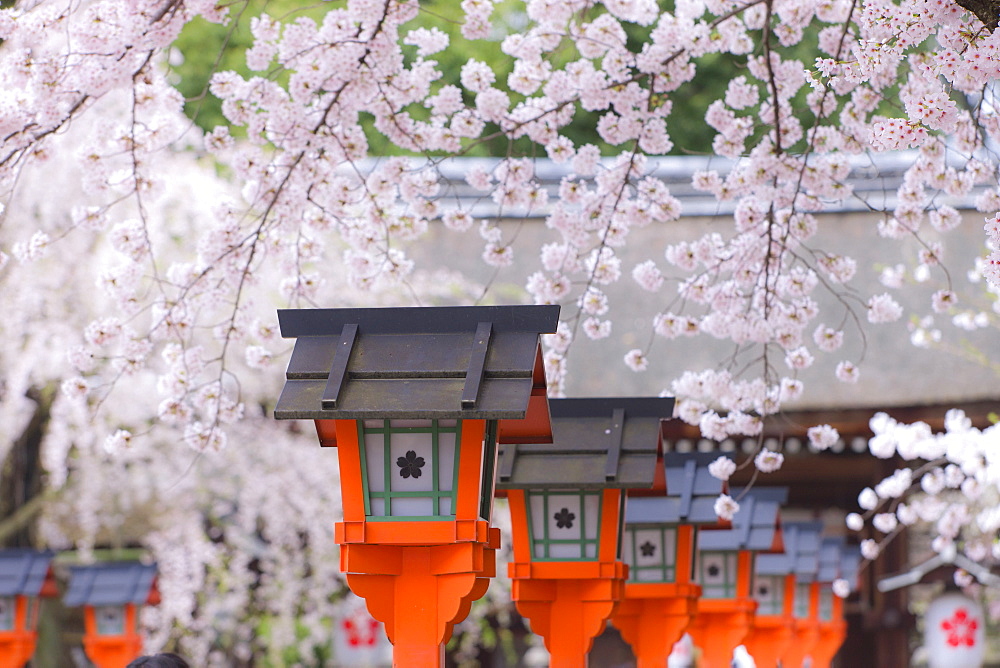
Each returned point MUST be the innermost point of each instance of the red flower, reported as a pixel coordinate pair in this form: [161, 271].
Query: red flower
[961, 629]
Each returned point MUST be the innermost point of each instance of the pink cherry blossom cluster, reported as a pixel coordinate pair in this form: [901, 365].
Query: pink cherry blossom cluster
[948, 485]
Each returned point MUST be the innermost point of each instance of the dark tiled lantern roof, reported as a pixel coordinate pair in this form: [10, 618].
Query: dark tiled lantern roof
[801, 555]
[110, 584]
[755, 525]
[476, 362]
[23, 571]
[691, 493]
[596, 443]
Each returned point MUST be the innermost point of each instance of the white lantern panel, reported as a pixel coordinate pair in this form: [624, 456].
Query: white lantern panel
[717, 574]
[411, 461]
[536, 508]
[375, 462]
[825, 603]
[648, 547]
[769, 592]
[110, 620]
[7, 604]
[802, 595]
[564, 519]
[446, 461]
[564, 525]
[651, 553]
[410, 473]
[954, 632]
[412, 506]
[592, 516]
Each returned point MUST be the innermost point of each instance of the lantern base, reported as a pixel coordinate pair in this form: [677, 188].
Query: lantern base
[831, 637]
[420, 592]
[805, 636]
[17, 647]
[720, 627]
[653, 617]
[112, 651]
[770, 638]
[568, 603]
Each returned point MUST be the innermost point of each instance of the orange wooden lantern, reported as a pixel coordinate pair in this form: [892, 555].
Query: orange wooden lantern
[566, 502]
[725, 570]
[415, 399]
[661, 595]
[837, 561]
[783, 626]
[25, 577]
[111, 595]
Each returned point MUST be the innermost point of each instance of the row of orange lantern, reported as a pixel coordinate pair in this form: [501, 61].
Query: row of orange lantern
[435, 410]
[109, 593]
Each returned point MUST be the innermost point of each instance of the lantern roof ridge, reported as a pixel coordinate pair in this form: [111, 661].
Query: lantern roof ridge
[447, 362]
[597, 443]
[23, 571]
[417, 319]
[111, 583]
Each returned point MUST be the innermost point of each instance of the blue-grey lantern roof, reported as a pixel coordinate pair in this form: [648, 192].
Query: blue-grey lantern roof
[801, 556]
[850, 564]
[753, 526]
[110, 584]
[23, 571]
[690, 495]
[596, 443]
[474, 362]
[830, 559]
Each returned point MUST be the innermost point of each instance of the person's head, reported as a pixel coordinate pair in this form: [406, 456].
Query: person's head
[164, 660]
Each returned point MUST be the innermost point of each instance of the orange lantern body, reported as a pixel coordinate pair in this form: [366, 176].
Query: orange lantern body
[725, 571]
[111, 595]
[661, 596]
[415, 400]
[782, 589]
[567, 504]
[25, 576]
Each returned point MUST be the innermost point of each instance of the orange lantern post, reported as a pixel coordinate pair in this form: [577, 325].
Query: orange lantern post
[415, 400]
[837, 561]
[782, 625]
[111, 595]
[661, 596]
[566, 502]
[725, 571]
[25, 577]
[805, 610]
